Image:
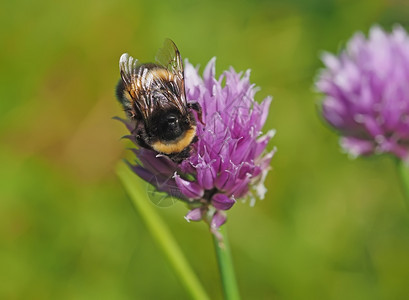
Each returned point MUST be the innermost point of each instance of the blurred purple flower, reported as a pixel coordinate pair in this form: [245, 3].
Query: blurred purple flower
[228, 161]
[366, 92]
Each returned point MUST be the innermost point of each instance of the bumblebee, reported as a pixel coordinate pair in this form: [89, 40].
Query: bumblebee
[153, 96]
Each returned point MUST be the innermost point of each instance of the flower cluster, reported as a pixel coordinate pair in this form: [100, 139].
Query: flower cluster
[229, 160]
[366, 92]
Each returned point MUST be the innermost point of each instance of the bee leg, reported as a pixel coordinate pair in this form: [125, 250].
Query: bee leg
[196, 107]
[141, 137]
[195, 139]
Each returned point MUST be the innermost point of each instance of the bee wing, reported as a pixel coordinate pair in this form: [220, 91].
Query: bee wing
[169, 57]
[127, 67]
[133, 75]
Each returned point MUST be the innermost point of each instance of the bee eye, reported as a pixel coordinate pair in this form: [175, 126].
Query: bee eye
[171, 119]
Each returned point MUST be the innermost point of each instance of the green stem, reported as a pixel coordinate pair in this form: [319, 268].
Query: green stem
[403, 169]
[225, 261]
[160, 233]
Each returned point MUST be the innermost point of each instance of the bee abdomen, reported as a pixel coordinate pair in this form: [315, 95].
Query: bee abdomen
[177, 145]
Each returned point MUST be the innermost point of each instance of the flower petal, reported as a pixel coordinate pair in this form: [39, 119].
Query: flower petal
[188, 188]
[208, 74]
[356, 147]
[219, 218]
[195, 214]
[222, 202]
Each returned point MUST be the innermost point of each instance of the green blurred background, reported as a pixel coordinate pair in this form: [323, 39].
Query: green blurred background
[329, 228]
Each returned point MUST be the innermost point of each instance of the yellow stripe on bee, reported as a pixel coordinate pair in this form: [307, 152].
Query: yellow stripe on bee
[145, 81]
[163, 74]
[177, 145]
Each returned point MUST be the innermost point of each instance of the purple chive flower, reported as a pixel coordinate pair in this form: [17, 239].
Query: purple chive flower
[229, 160]
[366, 91]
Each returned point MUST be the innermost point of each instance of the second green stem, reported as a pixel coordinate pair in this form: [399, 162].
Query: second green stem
[224, 259]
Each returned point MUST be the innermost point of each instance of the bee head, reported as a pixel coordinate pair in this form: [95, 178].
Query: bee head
[169, 125]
